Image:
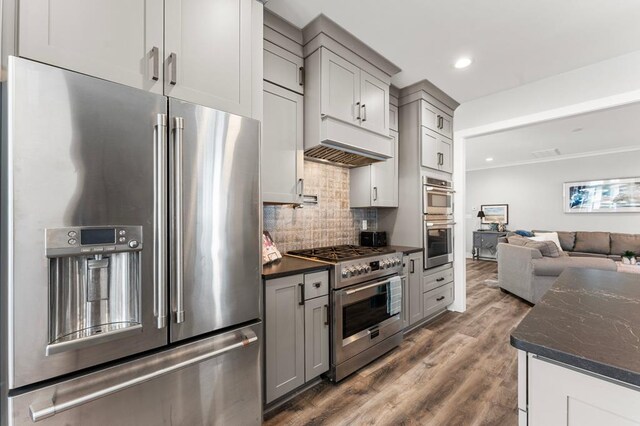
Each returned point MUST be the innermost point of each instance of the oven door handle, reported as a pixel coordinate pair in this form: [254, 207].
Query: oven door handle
[433, 225]
[366, 287]
[444, 191]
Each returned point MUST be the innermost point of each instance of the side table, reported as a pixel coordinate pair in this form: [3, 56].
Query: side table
[485, 244]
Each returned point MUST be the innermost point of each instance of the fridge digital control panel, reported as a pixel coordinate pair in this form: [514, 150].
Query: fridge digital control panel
[92, 239]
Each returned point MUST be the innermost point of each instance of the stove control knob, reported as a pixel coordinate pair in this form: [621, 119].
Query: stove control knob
[360, 269]
[367, 268]
[353, 271]
[396, 262]
[346, 273]
[383, 264]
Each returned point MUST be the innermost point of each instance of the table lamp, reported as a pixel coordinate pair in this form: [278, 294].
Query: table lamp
[481, 216]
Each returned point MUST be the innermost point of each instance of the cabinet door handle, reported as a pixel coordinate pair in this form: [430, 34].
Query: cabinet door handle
[413, 266]
[301, 185]
[440, 279]
[301, 302]
[375, 193]
[301, 76]
[173, 59]
[326, 314]
[358, 107]
[440, 298]
[155, 59]
[364, 112]
[437, 121]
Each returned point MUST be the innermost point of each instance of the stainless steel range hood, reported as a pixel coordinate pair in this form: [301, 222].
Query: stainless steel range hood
[347, 145]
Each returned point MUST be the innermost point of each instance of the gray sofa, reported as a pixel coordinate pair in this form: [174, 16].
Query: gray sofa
[524, 272]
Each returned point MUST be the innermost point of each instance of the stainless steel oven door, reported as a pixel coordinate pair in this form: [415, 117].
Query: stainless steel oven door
[438, 243]
[437, 201]
[362, 319]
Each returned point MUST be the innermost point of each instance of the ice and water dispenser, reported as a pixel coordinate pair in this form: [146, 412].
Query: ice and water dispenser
[94, 285]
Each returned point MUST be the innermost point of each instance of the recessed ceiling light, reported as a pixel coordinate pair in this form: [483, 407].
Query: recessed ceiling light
[463, 62]
[489, 159]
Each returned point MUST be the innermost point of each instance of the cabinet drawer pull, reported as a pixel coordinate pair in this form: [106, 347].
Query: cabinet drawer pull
[326, 314]
[301, 286]
[317, 285]
[155, 58]
[413, 266]
[440, 279]
[440, 298]
[173, 59]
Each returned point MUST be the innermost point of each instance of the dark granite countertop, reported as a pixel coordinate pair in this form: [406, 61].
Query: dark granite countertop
[589, 319]
[406, 249]
[290, 266]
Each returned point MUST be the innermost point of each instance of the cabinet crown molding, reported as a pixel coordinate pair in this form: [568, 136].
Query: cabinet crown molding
[411, 93]
[323, 25]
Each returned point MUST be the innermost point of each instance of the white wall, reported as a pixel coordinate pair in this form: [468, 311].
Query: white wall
[614, 76]
[534, 194]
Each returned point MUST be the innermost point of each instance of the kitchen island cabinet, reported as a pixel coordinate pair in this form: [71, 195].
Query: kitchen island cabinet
[578, 358]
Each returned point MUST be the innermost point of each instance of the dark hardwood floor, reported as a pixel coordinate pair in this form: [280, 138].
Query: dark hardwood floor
[458, 370]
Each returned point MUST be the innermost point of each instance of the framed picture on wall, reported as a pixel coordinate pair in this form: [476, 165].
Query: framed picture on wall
[602, 196]
[495, 213]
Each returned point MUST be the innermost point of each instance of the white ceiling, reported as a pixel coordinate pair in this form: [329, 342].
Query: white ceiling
[512, 42]
[613, 130]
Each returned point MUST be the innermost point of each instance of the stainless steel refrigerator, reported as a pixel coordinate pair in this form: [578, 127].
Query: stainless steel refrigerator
[130, 256]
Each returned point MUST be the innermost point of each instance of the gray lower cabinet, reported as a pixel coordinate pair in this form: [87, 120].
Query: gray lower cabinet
[296, 332]
[316, 337]
[282, 146]
[415, 288]
[284, 335]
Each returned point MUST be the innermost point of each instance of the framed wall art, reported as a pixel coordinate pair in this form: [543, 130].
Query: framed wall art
[495, 213]
[603, 196]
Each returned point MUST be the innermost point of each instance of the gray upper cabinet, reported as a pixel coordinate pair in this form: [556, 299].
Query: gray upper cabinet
[376, 185]
[436, 151]
[436, 120]
[352, 95]
[316, 336]
[393, 117]
[79, 35]
[209, 49]
[282, 146]
[207, 52]
[340, 82]
[283, 68]
[284, 335]
[374, 99]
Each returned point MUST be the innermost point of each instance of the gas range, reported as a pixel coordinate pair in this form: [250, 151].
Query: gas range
[365, 299]
[355, 264]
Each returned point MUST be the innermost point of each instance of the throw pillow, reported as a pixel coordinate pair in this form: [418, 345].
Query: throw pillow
[547, 248]
[548, 236]
[524, 233]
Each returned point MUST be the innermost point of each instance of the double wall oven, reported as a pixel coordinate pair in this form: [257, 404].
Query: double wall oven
[366, 300]
[438, 222]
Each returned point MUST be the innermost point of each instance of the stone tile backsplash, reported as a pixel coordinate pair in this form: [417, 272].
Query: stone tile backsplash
[330, 222]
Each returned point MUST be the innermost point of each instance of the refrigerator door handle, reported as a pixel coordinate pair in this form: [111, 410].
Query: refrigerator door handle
[160, 221]
[176, 228]
[45, 409]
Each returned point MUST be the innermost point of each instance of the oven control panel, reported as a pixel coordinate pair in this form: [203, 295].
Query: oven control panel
[362, 269]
